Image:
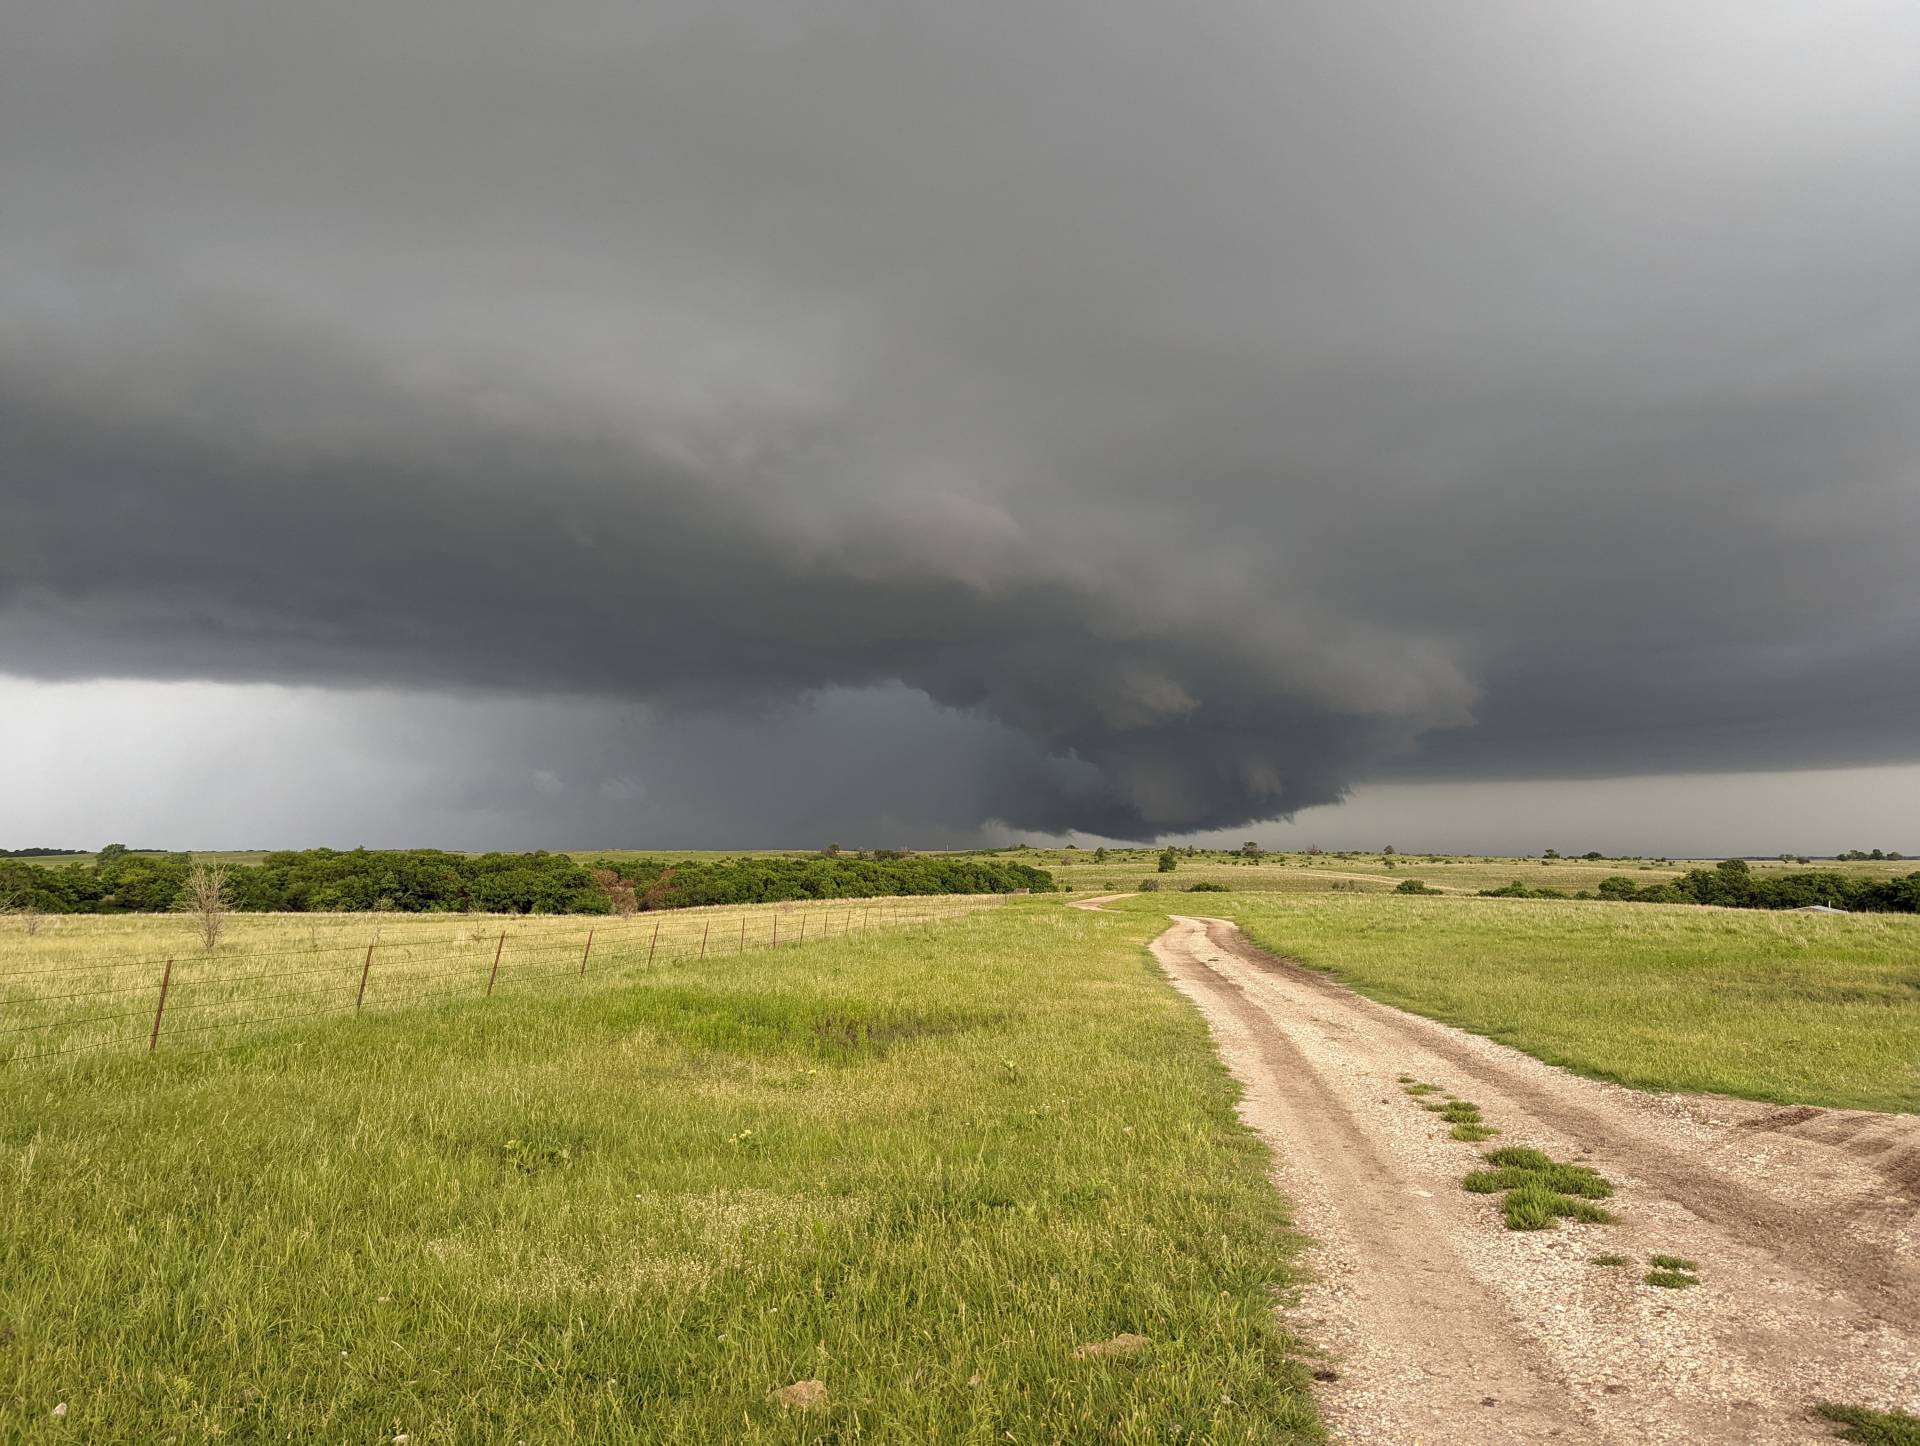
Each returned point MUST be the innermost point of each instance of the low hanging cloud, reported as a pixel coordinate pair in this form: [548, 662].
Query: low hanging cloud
[1212, 415]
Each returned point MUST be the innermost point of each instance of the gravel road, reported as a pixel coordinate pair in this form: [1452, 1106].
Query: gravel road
[1439, 1325]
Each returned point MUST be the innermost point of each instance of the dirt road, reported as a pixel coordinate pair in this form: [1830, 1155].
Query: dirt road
[1442, 1326]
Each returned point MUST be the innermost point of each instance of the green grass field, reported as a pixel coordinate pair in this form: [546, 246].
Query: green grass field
[922, 1166]
[1794, 1008]
[91, 982]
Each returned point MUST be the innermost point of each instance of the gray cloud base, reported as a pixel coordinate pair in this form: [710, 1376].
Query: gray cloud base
[1217, 412]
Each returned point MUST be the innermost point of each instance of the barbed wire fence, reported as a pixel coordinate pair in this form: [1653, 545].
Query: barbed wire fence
[185, 1001]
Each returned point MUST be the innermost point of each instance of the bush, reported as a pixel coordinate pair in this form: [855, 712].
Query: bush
[1414, 886]
[1205, 887]
[415, 881]
[1149, 886]
[1169, 861]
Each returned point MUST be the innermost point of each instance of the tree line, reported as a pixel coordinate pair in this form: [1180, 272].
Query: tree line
[1733, 884]
[413, 881]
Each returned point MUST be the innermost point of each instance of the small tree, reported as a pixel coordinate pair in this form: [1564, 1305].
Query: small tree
[621, 897]
[1250, 849]
[204, 898]
[1169, 861]
[19, 905]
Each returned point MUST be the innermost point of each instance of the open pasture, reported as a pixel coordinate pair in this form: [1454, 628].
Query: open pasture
[132, 982]
[923, 1166]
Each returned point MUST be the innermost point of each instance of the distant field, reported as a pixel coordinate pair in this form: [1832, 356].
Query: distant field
[1787, 1007]
[923, 1166]
[1079, 871]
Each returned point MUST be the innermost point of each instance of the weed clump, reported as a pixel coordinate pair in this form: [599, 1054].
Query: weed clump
[1463, 1115]
[1875, 1428]
[1672, 1272]
[1540, 1191]
[1611, 1259]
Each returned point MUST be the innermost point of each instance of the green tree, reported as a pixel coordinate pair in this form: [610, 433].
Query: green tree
[1169, 861]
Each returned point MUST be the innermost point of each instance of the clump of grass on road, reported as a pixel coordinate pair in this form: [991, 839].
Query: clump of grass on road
[1794, 1008]
[1540, 1191]
[1672, 1272]
[922, 1168]
[1463, 1115]
[1874, 1428]
[1869, 1425]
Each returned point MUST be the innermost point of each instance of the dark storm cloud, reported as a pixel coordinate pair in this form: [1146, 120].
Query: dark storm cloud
[1216, 407]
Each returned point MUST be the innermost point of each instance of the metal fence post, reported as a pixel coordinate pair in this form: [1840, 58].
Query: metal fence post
[166, 979]
[496, 961]
[365, 970]
[703, 938]
[584, 952]
[656, 941]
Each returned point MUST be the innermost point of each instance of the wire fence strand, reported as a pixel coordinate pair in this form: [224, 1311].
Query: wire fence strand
[49, 1007]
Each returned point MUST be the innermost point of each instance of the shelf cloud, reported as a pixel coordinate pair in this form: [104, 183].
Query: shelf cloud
[1167, 419]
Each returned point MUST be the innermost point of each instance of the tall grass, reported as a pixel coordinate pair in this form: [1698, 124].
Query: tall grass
[921, 1166]
[96, 982]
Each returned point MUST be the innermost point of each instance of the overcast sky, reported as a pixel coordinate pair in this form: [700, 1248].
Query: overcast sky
[724, 424]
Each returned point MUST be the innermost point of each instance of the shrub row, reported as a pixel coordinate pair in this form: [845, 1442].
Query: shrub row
[431, 881]
[1733, 884]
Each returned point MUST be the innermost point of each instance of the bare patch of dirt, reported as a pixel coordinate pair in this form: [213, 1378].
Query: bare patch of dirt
[800, 1396]
[1442, 1326]
[1124, 1344]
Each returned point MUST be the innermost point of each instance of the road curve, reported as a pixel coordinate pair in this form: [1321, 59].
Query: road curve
[1441, 1326]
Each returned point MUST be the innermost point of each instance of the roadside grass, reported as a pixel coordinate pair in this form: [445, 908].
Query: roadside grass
[1875, 1428]
[1792, 1008]
[922, 1166]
